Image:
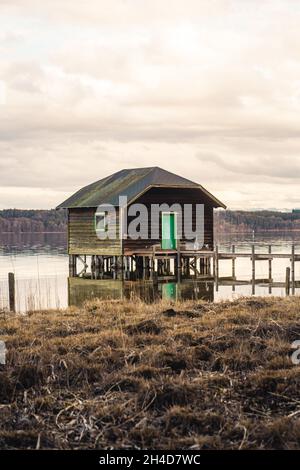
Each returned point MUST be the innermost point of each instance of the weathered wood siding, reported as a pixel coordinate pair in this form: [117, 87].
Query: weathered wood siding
[82, 238]
[172, 196]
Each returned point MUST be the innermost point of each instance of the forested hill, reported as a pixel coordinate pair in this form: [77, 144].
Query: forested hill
[16, 220]
[259, 221]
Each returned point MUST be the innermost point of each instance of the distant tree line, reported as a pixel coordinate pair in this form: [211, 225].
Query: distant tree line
[17, 220]
[259, 221]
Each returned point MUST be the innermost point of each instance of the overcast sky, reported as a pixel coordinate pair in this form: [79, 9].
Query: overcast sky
[208, 89]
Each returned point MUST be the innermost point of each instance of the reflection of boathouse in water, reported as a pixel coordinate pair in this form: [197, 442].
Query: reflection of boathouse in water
[80, 290]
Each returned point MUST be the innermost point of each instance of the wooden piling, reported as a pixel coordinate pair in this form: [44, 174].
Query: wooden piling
[178, 260]
[187, 263]
[293, 269]
[253, 261]
[202, 266]
[208, 266]
[168, 266]
[287, 280]
[217, 262]
[270, 263]
[71, 265]
[253, 269]
[214, 266]
[270, 270]
[11, 292]
[233, 262]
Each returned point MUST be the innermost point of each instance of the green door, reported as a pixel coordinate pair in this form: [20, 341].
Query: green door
[168, 226]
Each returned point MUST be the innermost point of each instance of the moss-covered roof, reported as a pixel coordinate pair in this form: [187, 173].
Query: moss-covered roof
[131, 183]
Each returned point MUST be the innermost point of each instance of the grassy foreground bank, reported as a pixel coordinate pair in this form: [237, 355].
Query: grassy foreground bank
[125, 374]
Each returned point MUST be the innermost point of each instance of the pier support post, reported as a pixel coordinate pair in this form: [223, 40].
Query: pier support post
[11, 292]
[72, 265]
[125, 267]
[293, 269]
[253, 269]
[214, 265]
[178, 265]
[168, 267]
[71, 274]
[93, 267]
[270, 270]
[187, 266]
[287, 280]
[201, 265]
[208, 267]
[217, 262]
[233, 262]
[270, 264]
[233, 268]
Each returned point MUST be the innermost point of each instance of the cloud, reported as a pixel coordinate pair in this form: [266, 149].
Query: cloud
[207, 89]
[264, 168]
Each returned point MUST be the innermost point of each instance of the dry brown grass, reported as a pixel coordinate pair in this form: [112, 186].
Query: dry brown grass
[126, 374]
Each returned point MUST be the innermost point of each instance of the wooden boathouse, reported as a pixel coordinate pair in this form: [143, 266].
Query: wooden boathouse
[147, 186]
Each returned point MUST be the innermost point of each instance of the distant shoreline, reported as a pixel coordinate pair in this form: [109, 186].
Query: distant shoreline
[226, 222]
[258, 231]
[246, 232]
[32, 232]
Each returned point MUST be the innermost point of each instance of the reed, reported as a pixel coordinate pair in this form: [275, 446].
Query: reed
[119, 374]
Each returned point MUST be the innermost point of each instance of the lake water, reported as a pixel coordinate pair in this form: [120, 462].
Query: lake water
[40, 265]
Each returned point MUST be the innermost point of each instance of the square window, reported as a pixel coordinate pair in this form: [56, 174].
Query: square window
[100, 222]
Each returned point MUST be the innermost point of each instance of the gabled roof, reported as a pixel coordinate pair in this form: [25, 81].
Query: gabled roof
[131, 183]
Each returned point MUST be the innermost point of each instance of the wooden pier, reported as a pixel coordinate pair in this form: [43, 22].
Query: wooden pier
[289, 283]
[183, 263]
[145, 264]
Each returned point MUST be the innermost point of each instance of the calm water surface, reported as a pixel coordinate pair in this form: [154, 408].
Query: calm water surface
[40, 264]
